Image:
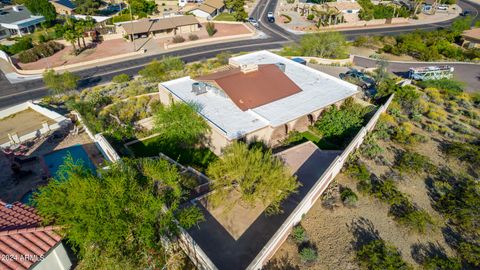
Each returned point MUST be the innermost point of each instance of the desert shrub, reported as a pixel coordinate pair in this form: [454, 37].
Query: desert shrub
[436, 113]
[308, 254]
[470, 252]
[378, 255]
[40, 51]
[349, 198]
[404, 134]
[211, 30]
[299, 234]
[313, 61]
[288, 19]
[121, 78]
[461, 128]
[370, 147]
[442, 263]
[431, 127]
[28, 57]
[413, 162]
[178, 39]
[416, 219]
[192, 37]
[469, 152]
[434, 95]
[384, 126]
[310, 17]
[358, 171]
[22, 44]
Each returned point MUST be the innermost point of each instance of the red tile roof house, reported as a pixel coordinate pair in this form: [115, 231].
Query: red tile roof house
[26, 244]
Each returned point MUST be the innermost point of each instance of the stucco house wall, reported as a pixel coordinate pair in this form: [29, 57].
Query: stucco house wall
[57, 258]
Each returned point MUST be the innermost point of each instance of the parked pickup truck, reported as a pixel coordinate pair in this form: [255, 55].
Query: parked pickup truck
[270, 17]
[358, 78]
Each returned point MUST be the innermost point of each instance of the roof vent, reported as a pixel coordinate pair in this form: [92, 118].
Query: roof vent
[199, 88]
[247, 68]
[281, 66]
[16, 8]
[9, 206]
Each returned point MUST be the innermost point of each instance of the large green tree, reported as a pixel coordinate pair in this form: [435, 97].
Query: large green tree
[42, 7]
[87, 7]
[142, 8]
[60, 83]
[181, 124]
[324, 45]
[256, 174]
[118, 217]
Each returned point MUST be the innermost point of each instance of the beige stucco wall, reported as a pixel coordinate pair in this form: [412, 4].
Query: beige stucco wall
[187, 29]
[55, 259]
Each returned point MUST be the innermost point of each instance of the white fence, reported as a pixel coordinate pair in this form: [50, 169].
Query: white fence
[312, 196]
[102, 144]
[43, 128]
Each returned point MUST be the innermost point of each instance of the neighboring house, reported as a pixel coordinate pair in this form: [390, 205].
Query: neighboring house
[350, 7]
[209, 9]
[471, 38]
[26, 244]
[165, 27]
[260, 96]
[18, 20]
[63, 7]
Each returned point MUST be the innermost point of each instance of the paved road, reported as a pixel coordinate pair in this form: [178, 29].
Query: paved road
[11, 94]
[465, 72]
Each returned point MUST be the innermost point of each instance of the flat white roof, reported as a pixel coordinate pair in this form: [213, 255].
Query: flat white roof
[319, 90]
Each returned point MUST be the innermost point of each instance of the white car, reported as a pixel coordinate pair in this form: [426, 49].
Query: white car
[442, 7]
[253, 22]
[270, 17]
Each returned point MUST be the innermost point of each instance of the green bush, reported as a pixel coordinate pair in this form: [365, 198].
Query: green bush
[40, 51]
[370, 147]
[211, 30]
[299, 234]
[28, 57]
[377, 255]
[349, 198]
[288, 19]
[340, 125]
[449, 87]
[310, 17]
[121, 78]
[413, 162]
[470, 252]
[308, 255]
[441, 263]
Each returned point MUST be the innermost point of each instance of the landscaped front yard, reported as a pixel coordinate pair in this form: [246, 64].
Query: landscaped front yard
[197, 158]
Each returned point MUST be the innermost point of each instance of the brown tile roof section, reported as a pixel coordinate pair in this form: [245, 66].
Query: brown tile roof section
[255, 88]
[217, 4]
[472, 33]
[22, 239]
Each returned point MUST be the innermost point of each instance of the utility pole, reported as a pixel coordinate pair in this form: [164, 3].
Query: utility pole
[131, 24]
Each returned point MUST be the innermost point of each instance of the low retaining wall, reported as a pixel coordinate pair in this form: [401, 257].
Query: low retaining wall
[60, 122]
[102, 144]
[7, 58]
[211, 39]
[309, 200]
[325, 61]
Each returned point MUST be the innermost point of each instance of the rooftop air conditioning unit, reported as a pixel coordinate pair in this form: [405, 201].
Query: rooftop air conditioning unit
[199, 88]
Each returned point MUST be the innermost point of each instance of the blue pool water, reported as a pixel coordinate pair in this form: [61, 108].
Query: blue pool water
[55, 159]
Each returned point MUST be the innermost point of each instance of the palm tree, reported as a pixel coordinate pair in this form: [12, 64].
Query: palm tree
[71, 37]
[80, 28]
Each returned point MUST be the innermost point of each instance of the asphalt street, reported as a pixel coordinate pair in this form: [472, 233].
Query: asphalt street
[11, 94]
[464, 72]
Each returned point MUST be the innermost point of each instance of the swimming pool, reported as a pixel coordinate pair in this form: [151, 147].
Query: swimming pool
[55, 159]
